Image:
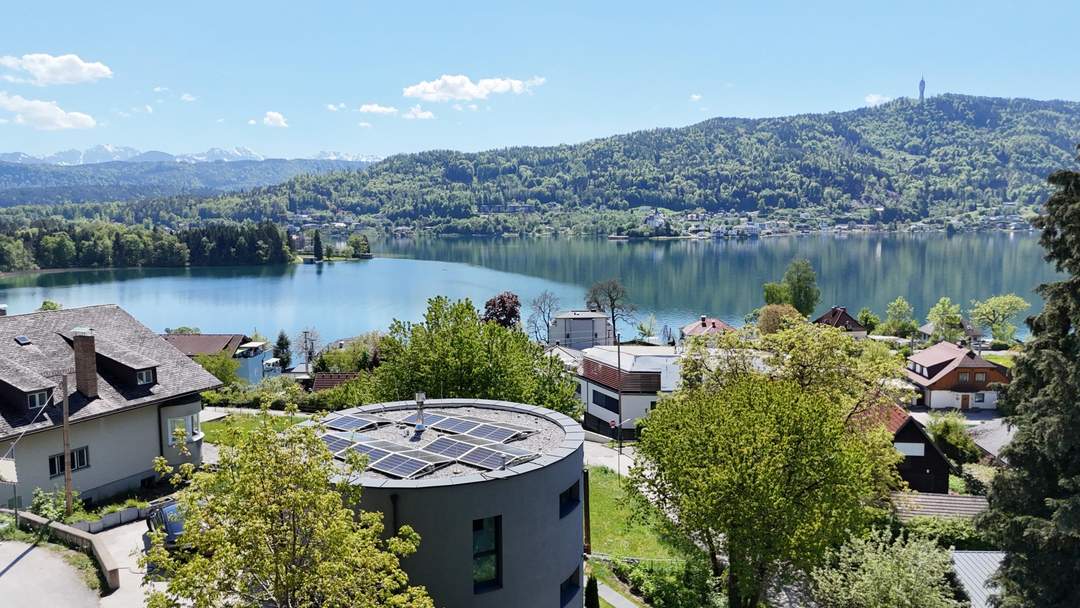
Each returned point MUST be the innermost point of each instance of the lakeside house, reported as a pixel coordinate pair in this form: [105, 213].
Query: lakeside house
[839, 317]
[972, 333]
[705, 326]
[327, 380]
[256, 357]
[624, 382]
[948, 375]
[128, 393]
[581, 329]
[991, 437]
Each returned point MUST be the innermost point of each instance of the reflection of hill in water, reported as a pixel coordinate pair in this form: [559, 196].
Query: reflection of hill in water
[724, 277]
[51, 279]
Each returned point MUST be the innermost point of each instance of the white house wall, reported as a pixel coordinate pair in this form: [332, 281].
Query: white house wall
[951, 399]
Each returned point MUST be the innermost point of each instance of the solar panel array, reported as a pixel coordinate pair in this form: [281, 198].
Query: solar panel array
[472, 441]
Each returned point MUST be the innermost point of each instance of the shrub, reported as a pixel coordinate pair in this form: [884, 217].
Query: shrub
[774, 317]
[592, 593]
[670, 585]
[999, 345]
[947, 532]
[949, 433]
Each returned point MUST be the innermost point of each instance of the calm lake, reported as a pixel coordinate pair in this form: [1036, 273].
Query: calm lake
[675, 280]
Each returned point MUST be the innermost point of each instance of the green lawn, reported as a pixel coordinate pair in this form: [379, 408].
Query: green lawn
[1000, 359]
[613, 531]
[220, 431]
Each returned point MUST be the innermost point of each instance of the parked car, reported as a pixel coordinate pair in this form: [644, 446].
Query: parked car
[165, 516]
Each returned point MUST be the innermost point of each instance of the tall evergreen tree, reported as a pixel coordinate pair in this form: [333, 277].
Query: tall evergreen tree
[1034, 510]
[283, 349]
[317, 246]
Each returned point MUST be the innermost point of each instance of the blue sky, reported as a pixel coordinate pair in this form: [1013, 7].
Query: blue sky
[543, 73]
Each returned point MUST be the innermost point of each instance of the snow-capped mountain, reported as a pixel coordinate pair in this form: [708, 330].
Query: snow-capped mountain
[110, 153]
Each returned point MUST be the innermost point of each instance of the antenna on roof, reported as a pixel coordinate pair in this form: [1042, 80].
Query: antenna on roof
[420, 396]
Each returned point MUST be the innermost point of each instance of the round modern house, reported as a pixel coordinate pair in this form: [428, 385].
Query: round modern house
[492, 487]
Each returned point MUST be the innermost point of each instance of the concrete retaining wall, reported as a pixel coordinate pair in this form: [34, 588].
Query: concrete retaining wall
[73, 537]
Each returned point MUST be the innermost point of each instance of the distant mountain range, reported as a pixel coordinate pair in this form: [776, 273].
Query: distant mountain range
[107, 153]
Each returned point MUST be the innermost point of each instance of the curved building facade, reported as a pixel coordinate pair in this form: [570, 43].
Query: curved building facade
[493, 488]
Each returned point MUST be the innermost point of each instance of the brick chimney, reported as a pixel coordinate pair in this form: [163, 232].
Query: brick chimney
[85, 362]
[703, 320]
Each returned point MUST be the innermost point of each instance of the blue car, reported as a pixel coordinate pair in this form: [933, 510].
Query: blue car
[166, 517]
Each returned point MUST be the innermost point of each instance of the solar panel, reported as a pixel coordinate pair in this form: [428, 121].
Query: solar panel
[455, 425]
[398, 465]
[523, 429]
[373, 453]
[492, 432]
[448, 447]
[485, 458]
[513, 451]
[389, 446]
[469, 439]
[348, 423]
[429, 419]
[436, 459]
[336, 444]
[22, 340]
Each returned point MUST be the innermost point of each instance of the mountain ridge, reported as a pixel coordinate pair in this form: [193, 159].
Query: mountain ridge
[105, 153]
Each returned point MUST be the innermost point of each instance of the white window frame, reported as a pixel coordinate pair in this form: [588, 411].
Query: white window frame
[144, 376]
[37, 399]
[190, 423]
[80, 458]
[980, 376]
[980, 397]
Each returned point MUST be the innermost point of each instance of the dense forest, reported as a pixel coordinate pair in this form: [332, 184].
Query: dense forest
[115, 181]
[62, 244]
[952, 153]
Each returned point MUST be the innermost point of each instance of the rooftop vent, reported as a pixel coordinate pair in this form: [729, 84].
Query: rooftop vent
[22, 340]
[420, 427]
[703, 320]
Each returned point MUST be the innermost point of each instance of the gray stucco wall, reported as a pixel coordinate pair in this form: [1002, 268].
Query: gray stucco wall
[122, 448]
[540, 549]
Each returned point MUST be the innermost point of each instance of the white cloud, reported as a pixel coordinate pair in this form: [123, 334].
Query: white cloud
[251, 122]
[220, 121]
[3, 121]
[44, 115]
[161, 89]
[461, 88]
[695, 97]
[876, 99]
[45, 69]
[457, 107]
[417, 113]
[334, 107]
[188, 97]
[149, 109]
[274, 119]
[364, 125]
[374, 108]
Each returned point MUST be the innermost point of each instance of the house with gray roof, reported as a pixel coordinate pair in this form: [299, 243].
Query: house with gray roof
[129, 393]
[974, 571]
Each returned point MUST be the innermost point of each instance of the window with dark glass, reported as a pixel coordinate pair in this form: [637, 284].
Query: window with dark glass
[80, 459]
[144, 376]
[964, 376]
[38, 399]
[607, 402]
[569, 588]
[980, 397]
[569, 499]
[980, 376]
[487, 554]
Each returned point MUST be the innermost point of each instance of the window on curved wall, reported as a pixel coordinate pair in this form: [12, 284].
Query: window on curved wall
[569, 587]
[569, 499]
[487, 554]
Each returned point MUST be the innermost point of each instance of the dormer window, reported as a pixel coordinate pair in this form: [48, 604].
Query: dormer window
[37, 399]
[144, 376]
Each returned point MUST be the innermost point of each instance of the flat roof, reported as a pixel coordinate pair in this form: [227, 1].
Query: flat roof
[478, 440]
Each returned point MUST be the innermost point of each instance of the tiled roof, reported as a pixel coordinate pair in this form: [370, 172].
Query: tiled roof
[974, 569]
[947, 355]
[50, 355]
[838, 316]
[205, 344]
[705, 326]
[325, 380]
[923, 504]
[993, 435]
[970, 329]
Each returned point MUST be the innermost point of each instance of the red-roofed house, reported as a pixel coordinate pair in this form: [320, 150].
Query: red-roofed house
[924, 467]
[327, 380]
[706, 326]
[950, 376]
[839, 317]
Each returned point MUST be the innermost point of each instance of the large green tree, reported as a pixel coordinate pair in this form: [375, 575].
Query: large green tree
[1034, 510]
[801, 281]
[761, 457]
[221, 365]
[947, 322]
[997, 313]
[275, 526]
[899, 319]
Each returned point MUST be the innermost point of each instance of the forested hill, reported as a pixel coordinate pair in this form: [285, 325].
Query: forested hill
[952, 153]
[123, 180]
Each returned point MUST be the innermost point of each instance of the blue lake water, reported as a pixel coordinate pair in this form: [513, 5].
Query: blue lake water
[675, 280]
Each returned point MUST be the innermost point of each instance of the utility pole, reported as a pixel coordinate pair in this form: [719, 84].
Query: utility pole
[618, 366]
[67, 449]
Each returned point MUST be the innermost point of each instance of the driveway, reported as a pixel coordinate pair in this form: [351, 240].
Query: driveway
[126, 543]
[33, 576]
[599, 455]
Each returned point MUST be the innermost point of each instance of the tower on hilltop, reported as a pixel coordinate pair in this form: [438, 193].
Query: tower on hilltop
[922, 89]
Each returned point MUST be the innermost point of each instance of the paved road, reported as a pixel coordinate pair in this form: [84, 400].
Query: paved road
[38, 577]
[126, 543]
[599, 455]
[613, 597]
